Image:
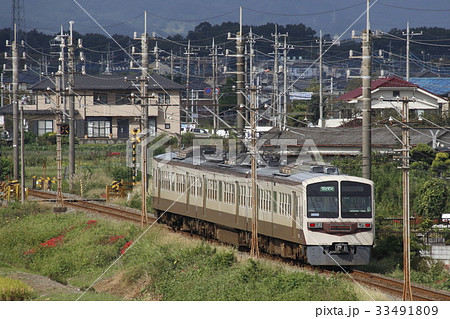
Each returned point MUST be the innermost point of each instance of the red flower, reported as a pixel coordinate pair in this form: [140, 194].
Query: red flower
[53, 242]
[114, 154]
[90, 223]
[30, 251]
[114, 238]
[125, 247]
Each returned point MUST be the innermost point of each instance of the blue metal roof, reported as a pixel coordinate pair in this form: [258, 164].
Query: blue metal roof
[438, 86]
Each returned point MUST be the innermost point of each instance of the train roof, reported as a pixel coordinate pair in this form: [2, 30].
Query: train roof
[291, 174]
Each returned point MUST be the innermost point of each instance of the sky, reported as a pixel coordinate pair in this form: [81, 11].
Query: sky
[179, 16]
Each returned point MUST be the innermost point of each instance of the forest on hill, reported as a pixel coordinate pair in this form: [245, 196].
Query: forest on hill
[432, 46]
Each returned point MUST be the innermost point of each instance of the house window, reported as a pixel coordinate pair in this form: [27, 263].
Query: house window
[44, 126]
[100, 98]
[396, 93]
[99, 128]
[122, 99]
[167, 126]
[47, 100]
[31, 100]
[163, 98]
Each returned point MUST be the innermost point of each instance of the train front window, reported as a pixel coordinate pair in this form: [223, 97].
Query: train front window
[322, 200]
[356, 200]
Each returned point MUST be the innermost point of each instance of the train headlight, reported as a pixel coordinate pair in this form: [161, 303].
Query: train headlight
[314, 225]
[365, 225]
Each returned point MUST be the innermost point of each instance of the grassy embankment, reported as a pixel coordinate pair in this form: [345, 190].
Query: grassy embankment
[75, 249]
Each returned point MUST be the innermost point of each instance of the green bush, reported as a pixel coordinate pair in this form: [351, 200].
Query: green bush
[6, 168]
[433, 198]
[14, 290]
[48, 138]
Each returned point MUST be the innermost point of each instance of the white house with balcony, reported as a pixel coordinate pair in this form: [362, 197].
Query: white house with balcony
[106, 106]
[387, 93]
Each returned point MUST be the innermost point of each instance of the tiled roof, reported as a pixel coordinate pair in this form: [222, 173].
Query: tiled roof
[391, 82]
[341, 137]
[439, 86]
[112, 82]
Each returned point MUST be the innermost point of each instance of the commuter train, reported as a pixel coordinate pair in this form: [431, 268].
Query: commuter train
[318, 216]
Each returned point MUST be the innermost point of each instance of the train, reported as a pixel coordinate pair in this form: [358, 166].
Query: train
[315, 215]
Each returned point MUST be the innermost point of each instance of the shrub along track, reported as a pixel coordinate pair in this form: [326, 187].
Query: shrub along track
[390, 286]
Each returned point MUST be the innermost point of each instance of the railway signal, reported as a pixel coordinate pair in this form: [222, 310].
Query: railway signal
[64, 129]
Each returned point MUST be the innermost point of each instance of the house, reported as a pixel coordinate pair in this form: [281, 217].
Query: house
[437, 85]
[106, 107]
[385, 89]
[347, 141]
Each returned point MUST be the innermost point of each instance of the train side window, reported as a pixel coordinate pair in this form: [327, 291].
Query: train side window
[242, 195]
[165, 180]
[229, 193]
[180, 183]
[212, 189]
[264, 200]
[285, 204]
[196, 186]
[299, 207]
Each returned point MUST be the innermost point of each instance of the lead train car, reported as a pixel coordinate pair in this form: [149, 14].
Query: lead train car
[323, 219]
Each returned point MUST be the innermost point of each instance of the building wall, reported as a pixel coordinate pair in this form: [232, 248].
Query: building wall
[166, 113]
[423, 101]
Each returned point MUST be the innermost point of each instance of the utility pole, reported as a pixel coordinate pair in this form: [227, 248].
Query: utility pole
[71, 96]
[407, 291]
[156, 53]
[254, 250]
[408, 37]
[188, 67]
[15, 102]
[240, 62]
[2, 88]
[214, 75]
[366, 71]
[144, 118]
[22, 154]
[59, 207]
[322, 122]
[275, 105]
[171, 65]
[286, 48]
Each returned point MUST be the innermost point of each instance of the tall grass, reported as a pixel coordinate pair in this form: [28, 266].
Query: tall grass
[14, 290]
[72, 248]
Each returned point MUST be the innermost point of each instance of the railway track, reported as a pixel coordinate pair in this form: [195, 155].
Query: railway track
[395, 287]
[387, 285]
[92, 206]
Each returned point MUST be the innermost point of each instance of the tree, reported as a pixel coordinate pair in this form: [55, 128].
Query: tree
[433, 197]
[422, 156]
[441, 163]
